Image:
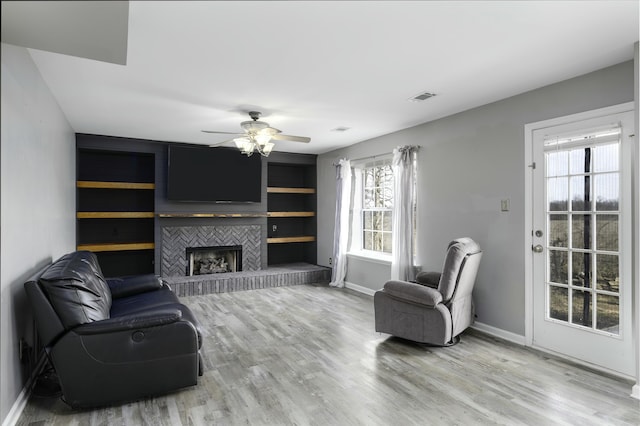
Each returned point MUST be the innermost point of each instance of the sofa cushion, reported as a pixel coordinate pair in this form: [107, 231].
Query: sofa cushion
[132, 285]
[142, 302]
[154, 300]
[76, 289]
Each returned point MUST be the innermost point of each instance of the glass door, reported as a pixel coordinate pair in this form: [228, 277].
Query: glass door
[581, 242]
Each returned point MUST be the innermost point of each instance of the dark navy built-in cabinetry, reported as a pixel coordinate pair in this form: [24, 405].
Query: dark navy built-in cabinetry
[122, 205]
[115, 209]
[291, 204]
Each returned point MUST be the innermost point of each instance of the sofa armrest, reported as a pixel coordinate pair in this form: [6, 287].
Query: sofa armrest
[413, 292]
[135, 284]
[153, 318]
[430, 279]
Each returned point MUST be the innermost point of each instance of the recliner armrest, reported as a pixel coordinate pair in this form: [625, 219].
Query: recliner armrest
[154, 318]
[413, 292]
[430, 279]
[136, 284]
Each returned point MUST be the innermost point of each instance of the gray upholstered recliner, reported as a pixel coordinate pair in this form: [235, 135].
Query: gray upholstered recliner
[438, 307]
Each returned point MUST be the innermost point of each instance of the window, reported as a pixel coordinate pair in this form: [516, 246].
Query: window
[377, 205]
[583, 222]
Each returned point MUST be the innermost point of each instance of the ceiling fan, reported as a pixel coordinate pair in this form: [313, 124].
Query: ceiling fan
[257, 136]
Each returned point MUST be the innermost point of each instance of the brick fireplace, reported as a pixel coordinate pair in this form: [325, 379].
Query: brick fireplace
[177, 239]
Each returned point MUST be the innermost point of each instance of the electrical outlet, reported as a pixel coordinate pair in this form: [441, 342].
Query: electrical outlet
[330, 261]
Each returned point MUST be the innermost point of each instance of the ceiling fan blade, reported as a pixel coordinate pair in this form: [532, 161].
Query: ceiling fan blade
[281, 137]
[271, 131]
[222, 133]
[213, 145]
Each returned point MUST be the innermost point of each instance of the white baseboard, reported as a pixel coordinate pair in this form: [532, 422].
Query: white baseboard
[359, 288]
[18, 406]
[635, 391]
[498, 332]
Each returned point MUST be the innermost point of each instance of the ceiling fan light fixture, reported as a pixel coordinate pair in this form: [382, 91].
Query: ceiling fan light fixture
[254, 143]
[267, 148]
[262, 138]
[241, 142]
[245, 145]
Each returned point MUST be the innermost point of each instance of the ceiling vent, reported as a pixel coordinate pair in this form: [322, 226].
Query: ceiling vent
[422, 97]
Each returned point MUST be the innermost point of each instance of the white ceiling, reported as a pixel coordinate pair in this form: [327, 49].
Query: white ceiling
[313, 66]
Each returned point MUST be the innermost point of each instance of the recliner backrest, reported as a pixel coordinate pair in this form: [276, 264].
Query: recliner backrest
[460, 266]
[76, 289]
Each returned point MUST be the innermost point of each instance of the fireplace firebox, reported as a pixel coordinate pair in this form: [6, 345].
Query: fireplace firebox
[213, 260]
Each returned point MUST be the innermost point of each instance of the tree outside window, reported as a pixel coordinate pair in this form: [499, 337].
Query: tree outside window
[377, 205]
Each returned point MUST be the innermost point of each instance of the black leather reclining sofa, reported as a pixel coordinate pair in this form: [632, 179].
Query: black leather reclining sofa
[112, 340]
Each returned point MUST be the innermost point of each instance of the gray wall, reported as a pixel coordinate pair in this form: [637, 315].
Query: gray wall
[38, 203]
[468, 163]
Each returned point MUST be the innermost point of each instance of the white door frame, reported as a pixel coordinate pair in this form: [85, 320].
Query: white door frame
[528, 212]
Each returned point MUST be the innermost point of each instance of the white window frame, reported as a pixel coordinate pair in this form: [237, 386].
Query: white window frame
[356, 248]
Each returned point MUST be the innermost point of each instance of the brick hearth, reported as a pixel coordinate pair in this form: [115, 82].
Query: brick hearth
[274, 276]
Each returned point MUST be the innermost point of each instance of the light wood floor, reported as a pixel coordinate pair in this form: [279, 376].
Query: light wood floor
[308, 355]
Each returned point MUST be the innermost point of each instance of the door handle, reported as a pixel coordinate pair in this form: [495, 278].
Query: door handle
[537, 249]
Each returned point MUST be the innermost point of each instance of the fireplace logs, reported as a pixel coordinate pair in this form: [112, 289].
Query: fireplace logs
[213, 260]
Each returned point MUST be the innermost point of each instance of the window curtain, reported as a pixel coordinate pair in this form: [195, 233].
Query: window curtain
[355, 240]
[404, 193]
[341, 232]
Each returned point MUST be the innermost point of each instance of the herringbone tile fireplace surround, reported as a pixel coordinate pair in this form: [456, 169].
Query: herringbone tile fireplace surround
[176, 239]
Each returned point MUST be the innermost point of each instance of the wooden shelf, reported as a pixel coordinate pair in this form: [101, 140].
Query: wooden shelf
[301, 239]
[116, 247]
[114, 185]
[283, 190]
[205, 215]
[291, 214]
[115, 215]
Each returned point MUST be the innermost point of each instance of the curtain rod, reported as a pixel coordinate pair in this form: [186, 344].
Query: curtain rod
[373, 157]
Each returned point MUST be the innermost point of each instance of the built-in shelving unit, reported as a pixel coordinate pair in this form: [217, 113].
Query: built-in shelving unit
[291, 205]
[115, 209]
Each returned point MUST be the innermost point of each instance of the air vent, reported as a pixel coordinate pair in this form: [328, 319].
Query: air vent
[340, 129]
[422, 97]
